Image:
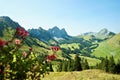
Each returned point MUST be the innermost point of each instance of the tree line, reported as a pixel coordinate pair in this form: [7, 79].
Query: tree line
[77, 64]
[109, 65]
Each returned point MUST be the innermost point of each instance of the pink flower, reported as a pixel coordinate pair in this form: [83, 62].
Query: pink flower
[30, 49]
[55, 48]
[18, 29]
[48, 60]
[50, 57]
[25, 34]
[21, 32]
[17, 41]
[24, 54]
[53, 57]
[2, 43]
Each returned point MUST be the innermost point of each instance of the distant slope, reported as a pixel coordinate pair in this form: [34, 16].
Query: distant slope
[110, 47]
[82, 75]
[103, 34]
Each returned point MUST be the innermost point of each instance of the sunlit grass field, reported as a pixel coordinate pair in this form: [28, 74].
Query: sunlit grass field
[93, 74]
[108, 48]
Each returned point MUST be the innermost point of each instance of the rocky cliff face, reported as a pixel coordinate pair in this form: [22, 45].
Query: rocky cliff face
[56, 32]
[45, 35]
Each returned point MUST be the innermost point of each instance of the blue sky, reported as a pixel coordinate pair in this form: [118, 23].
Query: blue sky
[76, 16]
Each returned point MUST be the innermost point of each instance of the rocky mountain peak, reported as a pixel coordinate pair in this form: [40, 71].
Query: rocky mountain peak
[59, 33]
[55, 28]
[103, 31]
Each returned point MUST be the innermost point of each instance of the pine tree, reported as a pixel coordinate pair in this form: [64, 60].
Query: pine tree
[64, 65]
[50, 66]
[105, 64]
[86, 65]
[97, 66]
[117, 67]
[77, 64]
[60, 66]
[111, 65]
[69, 67]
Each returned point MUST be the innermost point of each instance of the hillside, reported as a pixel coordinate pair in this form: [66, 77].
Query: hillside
[110, 47]
[7, 30]
[74, 53]
[86, 45]
[6, 22]
[82, 75]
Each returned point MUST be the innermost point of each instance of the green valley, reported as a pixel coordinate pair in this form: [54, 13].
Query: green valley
[89, 56]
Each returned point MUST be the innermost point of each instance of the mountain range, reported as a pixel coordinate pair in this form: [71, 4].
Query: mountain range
[90, 44]
[54, 33]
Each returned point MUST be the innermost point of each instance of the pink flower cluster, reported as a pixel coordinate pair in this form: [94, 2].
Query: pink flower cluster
[55, 48]
[51, 57]
[2, 43]
[21, 32]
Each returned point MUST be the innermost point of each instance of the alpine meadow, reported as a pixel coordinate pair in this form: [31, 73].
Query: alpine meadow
[53, 54]
[59, 39]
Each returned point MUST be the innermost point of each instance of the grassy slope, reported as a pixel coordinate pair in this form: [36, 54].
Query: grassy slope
[109, 48]
[71, 46]
[91, 61]
[82, 75]
[37, 45]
